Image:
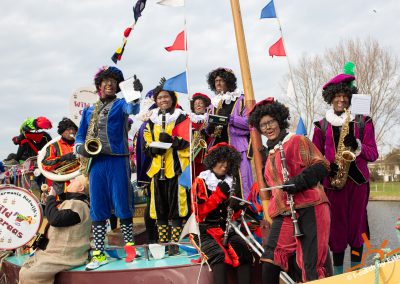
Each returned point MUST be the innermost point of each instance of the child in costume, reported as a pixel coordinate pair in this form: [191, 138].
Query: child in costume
[210, 199]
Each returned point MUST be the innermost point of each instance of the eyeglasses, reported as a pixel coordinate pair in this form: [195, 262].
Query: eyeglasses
[267, 124]
[111, 81]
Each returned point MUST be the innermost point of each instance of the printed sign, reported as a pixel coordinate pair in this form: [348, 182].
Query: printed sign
[20, 217]
[80, 99]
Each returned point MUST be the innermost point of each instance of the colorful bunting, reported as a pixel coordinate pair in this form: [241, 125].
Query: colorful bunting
[277, 49]
[179, 43]
[268, 11]
[301, 129]
[137, 11]
[172, 3]
[177, 84]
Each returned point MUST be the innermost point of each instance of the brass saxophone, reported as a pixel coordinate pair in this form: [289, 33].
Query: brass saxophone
[92, 142]
[343, 157]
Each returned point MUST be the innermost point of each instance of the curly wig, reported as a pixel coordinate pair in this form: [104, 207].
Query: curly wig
[226, 74]
[329, 92]
[64, 124]
[223, 154]
[199, 96]
[108, 72]
[276, 110]
[172, 94]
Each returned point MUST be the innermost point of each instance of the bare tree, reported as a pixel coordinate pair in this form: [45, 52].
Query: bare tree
[307, 78]
[377, 75]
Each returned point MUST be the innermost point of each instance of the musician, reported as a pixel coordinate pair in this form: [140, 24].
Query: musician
[67, 237]
[348, 205]
[61, 152]
[210, 193]
[306, 167]
[200, 106]
[229, 102]
[109, 175]
[169, 200]
[32, 137]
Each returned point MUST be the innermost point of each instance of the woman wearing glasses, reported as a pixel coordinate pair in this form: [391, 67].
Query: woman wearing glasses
[299, 178]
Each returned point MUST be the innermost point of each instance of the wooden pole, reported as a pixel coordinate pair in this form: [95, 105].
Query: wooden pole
[249, 101]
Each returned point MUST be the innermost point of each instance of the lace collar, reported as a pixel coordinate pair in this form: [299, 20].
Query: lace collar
[227, 98]
[156, 118]
[212, 181]
[336, 120]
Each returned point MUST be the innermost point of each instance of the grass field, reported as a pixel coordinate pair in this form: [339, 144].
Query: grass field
[385, 189]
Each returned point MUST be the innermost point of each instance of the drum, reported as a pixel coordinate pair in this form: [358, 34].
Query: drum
[20, 217]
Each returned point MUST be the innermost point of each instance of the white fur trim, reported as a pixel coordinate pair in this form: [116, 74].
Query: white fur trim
[212, 181]
[336, 120]
[227, 98]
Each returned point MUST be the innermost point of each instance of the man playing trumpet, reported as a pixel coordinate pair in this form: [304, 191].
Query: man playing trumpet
[59, 156]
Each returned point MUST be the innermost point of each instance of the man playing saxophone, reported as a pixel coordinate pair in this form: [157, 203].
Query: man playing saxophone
[348, 185]
[60, 157]
[106, 125]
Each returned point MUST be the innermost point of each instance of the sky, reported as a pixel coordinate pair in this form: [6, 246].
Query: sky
[49, 49]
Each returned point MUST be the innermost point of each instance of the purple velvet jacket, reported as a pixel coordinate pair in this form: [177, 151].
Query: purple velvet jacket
[369, 150]
[238, 135]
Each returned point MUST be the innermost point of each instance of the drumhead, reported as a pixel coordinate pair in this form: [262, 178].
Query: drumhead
[20, 217]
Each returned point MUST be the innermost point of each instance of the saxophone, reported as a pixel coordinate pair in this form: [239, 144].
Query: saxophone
[92, 142]
[343, 157]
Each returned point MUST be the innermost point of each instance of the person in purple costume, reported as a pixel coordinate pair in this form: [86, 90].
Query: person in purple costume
[229, 102]
[349, 218]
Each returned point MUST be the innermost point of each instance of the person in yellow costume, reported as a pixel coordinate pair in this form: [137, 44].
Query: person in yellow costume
[168, 199]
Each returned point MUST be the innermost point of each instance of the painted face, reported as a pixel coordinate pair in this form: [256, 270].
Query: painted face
[164, 100]
[199, 106]
[340, 102]
[269, 127]
[69, 134]
[220, 168]
[220, 85]
[108, 87]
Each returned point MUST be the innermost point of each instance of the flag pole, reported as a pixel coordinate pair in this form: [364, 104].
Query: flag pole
[249, 101]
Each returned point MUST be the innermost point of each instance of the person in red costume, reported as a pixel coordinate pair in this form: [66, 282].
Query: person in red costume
[300, 178]
[210, 200]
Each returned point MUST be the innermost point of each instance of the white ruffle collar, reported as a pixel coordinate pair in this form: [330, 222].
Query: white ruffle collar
[227, 98]
[156, 118]
[336, 120]
[198, 117]
[212, 181]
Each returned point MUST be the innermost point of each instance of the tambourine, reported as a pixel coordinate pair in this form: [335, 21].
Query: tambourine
[20, 217]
